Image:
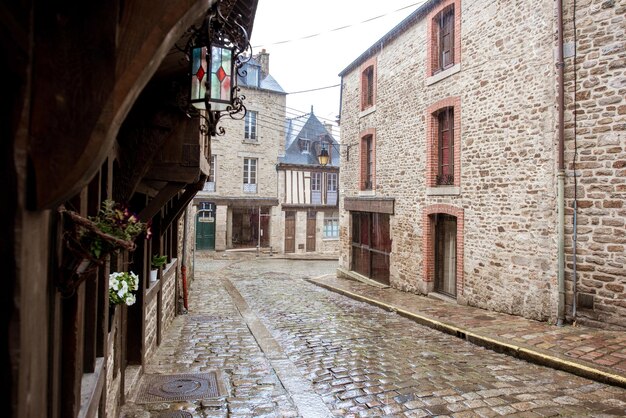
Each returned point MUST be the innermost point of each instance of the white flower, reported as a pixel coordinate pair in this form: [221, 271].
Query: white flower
[130, 299]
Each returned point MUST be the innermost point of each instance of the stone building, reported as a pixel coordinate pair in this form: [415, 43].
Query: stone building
[452, 177]
[238, 207]
[93, 110]
[308, 190]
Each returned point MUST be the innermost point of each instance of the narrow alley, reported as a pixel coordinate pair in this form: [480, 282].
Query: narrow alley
[280, 346]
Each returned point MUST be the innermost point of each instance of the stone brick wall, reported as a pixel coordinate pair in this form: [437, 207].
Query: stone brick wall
[506, 84]
[113, 375]
[232, 148]
[169, 294]
[151, 327]
[596, 152]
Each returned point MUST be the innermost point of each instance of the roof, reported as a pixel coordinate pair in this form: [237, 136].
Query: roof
[308, 127]
[418, 14]
[266, 81]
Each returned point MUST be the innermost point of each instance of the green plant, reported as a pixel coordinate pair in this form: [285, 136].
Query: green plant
[113, 221]
[121, 287]
[159, 261]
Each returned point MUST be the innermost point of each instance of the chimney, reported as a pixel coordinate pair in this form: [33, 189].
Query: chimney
[263, 58]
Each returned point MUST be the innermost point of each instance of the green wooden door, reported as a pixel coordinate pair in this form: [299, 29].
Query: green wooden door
[205, 228]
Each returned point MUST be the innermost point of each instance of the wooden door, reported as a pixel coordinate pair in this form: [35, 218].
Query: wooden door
[310, 230]
[445, 255]
[290, 231]
[205, 230]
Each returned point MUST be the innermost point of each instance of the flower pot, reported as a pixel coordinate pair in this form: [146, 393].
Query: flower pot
[154, 275]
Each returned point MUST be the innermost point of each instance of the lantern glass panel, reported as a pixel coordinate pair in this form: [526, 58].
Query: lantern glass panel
[221, 77]
[198, 76]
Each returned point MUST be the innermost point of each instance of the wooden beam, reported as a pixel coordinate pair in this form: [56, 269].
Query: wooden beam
[76, 114]
[181, 203]
[155, 205]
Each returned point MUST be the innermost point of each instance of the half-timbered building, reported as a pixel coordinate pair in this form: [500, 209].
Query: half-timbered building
[308, 189]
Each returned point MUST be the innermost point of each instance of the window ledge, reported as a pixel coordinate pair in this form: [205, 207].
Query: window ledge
[443, 191]
[330, 239]
[367, 111]
[367, 192]
[443, 74]
[250, 141]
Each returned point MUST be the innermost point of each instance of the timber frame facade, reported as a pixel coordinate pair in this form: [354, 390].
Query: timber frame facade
[91, 111]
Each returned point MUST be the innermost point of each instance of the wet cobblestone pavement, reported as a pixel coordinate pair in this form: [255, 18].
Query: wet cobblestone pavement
[290, 348]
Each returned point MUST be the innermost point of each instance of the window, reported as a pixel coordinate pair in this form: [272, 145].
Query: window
[305, 145]
[368, 84]
[367, 162]
[331, 225]
[444, 47]
[316, 188]
[445, 26]
[249, 175]
[445, 147]
[250, 126]
[209, 186]
[316, 182]
[331, 189]
[368, 87]
[332, 182]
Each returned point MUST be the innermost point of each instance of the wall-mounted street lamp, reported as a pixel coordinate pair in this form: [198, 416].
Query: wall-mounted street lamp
[324, 156]
[216, 52]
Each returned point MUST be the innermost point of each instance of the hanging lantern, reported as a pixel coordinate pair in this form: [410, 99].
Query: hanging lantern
[216, 51]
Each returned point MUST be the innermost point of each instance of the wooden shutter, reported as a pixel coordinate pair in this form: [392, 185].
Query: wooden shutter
[445, 163]
[446, 38]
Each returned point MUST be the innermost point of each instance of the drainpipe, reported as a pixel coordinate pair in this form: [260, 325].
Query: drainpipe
[183, 267]
[561, 166]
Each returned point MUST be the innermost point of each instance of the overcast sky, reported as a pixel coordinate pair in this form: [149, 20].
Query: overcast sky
[314, 62]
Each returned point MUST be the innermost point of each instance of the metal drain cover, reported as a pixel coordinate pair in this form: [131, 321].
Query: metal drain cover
[180, 387]
[175, 414]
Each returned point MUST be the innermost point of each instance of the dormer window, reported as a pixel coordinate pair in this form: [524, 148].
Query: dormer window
[306, 146]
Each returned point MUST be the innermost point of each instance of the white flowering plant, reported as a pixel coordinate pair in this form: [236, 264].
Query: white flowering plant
[121, 287]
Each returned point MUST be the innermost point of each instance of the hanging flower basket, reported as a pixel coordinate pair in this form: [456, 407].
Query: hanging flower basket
[89, 240]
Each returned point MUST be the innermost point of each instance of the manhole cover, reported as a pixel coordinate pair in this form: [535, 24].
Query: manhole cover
[175, 414]
[180, 387]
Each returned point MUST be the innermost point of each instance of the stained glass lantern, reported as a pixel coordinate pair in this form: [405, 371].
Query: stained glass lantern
[212, 77]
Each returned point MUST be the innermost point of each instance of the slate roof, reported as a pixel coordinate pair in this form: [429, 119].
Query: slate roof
[267, 82]
[307, 127]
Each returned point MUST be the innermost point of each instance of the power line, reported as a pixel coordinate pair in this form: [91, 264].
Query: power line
[285, 41]
[316, 89]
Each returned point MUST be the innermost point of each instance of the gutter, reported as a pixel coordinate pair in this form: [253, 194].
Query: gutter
[561, 167]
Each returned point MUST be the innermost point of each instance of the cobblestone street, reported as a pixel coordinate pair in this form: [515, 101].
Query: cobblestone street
[289, 348]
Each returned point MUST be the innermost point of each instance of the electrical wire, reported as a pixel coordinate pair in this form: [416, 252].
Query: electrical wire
[285, 41]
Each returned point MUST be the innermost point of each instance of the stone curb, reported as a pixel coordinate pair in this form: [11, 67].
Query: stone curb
[531, 355]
